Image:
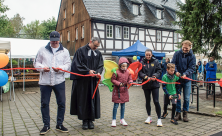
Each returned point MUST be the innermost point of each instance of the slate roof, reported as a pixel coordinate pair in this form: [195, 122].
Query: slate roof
[121, 11]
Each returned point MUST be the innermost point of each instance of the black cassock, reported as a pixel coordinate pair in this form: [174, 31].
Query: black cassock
[83, 88]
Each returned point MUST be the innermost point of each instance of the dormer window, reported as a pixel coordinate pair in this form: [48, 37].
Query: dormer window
[135, 9]
[159, 14]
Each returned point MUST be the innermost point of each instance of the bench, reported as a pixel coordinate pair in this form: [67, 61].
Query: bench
[29, 77]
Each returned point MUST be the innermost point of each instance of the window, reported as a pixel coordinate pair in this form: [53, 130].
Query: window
[135, 9]
[118, 32]
[126, 32]
[68, 36]
[158, 36]
[159, 14]
[76, 33]
[61, 38]
[109, 31]
[64, 13]
[73, 8]
[82, 32]
[175, 37]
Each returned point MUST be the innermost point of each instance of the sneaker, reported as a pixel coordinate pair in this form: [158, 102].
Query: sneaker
[174, 121]
[44, 130]
[61, 128]
[164, 115]
[113, 123]
[123, 122]
[148, 120]
[159, 123]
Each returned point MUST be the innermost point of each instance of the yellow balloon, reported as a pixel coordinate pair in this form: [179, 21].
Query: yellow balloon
[134, 57]
[3, 60]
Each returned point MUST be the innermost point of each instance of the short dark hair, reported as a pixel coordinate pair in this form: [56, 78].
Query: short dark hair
[95, 39]
[149, 50]
[213, 57]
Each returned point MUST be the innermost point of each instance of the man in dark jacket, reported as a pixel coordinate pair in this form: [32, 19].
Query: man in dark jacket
[185, 62]
[87, 60]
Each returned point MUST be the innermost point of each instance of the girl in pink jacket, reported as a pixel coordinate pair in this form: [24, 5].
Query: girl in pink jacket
[120, 92]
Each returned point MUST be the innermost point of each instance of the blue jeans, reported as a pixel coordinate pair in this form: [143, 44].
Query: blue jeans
[122, 110]
[186, 97]
[59, 91]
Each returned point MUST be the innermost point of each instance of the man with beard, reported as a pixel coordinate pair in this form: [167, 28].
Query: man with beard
[87, 60]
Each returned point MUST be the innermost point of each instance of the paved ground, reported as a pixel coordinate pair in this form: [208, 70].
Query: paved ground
[23, 117]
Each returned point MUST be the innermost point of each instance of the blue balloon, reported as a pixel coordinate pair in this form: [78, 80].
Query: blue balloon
[3, 78]
[138, 57]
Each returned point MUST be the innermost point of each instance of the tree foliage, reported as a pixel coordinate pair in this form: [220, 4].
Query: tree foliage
[47, 27]
[32, 30]
[6, 29]
[17, 24]
[200, 22]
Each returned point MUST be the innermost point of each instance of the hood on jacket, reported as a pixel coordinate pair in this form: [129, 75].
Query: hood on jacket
[200, 63]
[123, 60]
[190, 53]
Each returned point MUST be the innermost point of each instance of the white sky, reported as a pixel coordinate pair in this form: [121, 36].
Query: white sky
[33, 10]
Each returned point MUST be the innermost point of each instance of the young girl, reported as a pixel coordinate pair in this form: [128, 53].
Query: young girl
[120, 92]
[151, 69]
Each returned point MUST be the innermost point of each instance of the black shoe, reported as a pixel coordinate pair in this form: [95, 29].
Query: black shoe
[164, 115]
[85, 124]
[174, 121]
[61, 128]
[90, 124]
[44, 130]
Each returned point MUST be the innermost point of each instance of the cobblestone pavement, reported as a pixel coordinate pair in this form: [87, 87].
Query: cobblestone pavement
[23, 117]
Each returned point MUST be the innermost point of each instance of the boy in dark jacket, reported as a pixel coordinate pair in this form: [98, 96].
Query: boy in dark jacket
[170, 91]
[185, 62]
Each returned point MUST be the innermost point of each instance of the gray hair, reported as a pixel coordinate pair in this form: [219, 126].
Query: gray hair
[95, 39]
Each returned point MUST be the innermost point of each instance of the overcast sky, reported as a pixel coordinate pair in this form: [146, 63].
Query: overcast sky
[33, 10]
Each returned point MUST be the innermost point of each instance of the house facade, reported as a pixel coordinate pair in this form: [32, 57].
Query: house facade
[119, 24]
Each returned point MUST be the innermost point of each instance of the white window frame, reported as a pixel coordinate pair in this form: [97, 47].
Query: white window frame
[175, 37]
[82, 32]
[126, 35]
[61, 38]
[135, 9]
[159, 14]
[73, 8]
[118, 33]
[158, 36]
[76, 33]
[68, 36]
[109, 31]
[64, 13]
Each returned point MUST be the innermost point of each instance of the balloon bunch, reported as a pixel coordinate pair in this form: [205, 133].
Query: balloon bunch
[136, 57]
[3, 75]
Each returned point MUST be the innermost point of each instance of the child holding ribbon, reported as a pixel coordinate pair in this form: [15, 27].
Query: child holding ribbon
[120, 93]
[170, 91]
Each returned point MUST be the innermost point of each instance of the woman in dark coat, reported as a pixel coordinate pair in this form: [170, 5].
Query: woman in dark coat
[151, 69]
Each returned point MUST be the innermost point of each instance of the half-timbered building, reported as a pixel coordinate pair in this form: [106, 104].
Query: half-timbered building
[119, 24]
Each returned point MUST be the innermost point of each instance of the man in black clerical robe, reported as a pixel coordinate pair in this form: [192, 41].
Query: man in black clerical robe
[87, 60]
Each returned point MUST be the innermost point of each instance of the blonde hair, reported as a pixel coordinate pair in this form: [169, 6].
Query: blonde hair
[170, 65]
[187, 42]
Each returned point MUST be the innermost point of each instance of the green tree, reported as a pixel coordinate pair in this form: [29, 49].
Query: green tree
[33, 29]
[200, 22]
[6, 29]
[17, 23]
[47, 27]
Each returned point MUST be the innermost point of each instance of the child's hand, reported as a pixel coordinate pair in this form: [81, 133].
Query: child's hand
[170, 97]
[179, 97]
[145, 77]
[121, 84]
